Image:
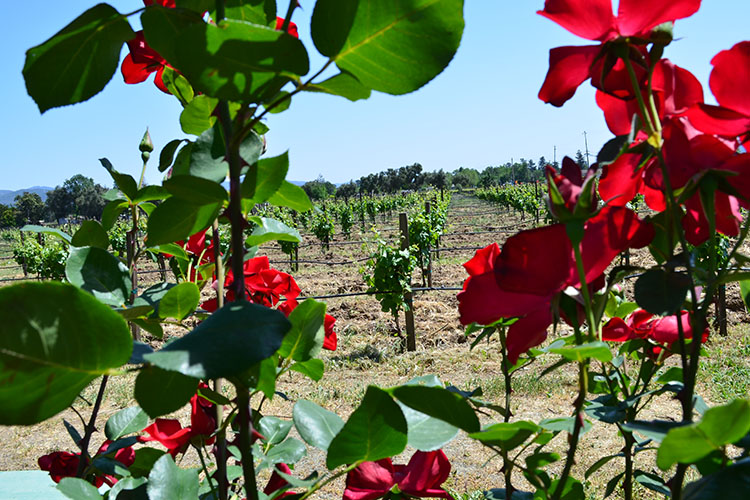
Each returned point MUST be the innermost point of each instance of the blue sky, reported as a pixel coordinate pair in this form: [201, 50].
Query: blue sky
[482, 110]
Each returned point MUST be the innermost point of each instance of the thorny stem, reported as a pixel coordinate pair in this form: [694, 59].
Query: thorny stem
[329, 479]
[505, 366]
[582, 376]
[593, 324]
[83, 462]
[205, 471]
[288, 16]
[221, 437]
[245, 424]
[648, 123]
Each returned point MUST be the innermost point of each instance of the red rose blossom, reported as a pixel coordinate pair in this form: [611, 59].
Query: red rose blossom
[421, 477]
[593, 19]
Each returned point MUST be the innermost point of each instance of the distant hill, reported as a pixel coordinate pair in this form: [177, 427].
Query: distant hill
[7, 197]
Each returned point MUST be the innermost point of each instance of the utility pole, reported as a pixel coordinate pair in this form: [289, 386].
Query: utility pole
[554, 155]
[586, 143]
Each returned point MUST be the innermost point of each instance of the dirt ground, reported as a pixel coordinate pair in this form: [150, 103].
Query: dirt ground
[370, 351]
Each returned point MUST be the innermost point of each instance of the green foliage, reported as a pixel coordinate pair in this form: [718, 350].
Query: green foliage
[323, 228]
[46, 260]
[388, 275]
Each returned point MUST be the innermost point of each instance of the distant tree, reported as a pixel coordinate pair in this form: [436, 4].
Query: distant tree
[465, 177]
[7, 216]
[580, 159]
[439, 179]
[90, 201]
[347, 190]
[319, 189]
[29, 208]
[542, 162]
[59, 203]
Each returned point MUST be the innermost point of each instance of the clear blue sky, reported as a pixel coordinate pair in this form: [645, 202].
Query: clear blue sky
[482, 110]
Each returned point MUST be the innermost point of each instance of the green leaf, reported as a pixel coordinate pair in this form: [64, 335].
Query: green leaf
[99, 273]
[394, 48]
[597, 350]
[344, 85]
[289, 452]
[720, 426]
[167, 154]
[160, 392]
[253, 11]
[47, 230]
[197, 117]
[238, 61]
[145, 458]
[54, 340]
[112, 211]
[177, 219]
[78, 489]
[284, 100]
[728, 423]
[376, 429]
[661, 292]
[507, 435]
[564, 424]
[291, 196]
[652, 482]
[316, 425]
[684, 444]
[177, 85]
[206, 157]
[151, 193]
[655, 429]
[230, 341]
[124, 182]
[180, 301]
[162, 27]
[271, 230]
[83, 56]
[195, 190]
[168, 482]
[745, 293]
[131, 488]
[439, 403]
[312, 368]
[262, 376]
[730, 483]
[274, 429]
[125, 422]
[92, 234]
[305, 340]
[268, 174]
[425, 432]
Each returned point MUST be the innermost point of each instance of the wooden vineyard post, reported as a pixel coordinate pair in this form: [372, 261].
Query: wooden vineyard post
[162, 267]
[429, 250]
[411, 340]
[25, 267]
[721, 310]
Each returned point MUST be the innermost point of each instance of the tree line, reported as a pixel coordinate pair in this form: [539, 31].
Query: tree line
[413, 178]
[78, 197]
